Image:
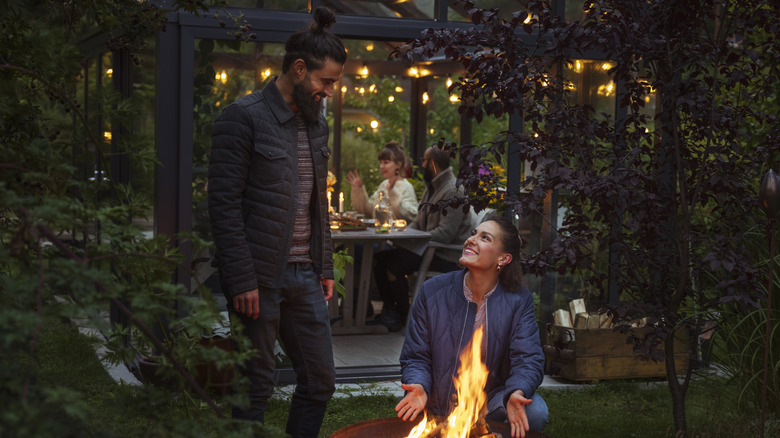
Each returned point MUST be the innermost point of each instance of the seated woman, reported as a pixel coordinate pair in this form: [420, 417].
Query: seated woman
[450, 307]
[403, 199]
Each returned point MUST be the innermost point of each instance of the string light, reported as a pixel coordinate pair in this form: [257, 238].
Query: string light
[414, 72]
[266, 73]
[374, 124]
[390, 98]
[343, 89]
[364, 71]
[110, 72]
[399, 90]
[449, 82]
[221, 77]
[606, 89]
[370, 47]
[425, 97]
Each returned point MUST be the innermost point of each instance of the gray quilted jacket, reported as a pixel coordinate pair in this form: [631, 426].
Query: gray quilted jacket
[253, 183]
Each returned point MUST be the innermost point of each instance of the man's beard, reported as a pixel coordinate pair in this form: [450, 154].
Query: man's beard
[428, 174]
[308, 108]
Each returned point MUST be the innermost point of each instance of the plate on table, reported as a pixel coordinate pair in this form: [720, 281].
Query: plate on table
[368, 222]
[352, 228]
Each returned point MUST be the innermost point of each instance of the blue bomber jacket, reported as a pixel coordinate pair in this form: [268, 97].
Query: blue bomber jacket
[440, 327]
[252, 186]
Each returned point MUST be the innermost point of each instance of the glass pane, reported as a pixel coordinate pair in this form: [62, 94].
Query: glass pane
[282, 5]
[457, 10]
[222, 75]
[574, 10]
[375, 111]
[591, 84]
[142, 139]
[417, 9]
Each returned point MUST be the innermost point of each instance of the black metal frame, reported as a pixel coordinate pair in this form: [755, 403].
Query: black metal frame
[174, 133]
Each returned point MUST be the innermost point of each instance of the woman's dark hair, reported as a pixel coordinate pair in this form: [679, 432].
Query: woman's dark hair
[315, 44]
[511, 276]
[393, 152]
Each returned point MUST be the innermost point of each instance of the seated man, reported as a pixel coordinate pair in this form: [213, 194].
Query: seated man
[393, 265]
[486, 295]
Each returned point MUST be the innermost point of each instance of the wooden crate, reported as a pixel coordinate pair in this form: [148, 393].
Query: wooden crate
[597, 354]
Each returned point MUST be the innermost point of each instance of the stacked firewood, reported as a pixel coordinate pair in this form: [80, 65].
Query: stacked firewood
[577, 317]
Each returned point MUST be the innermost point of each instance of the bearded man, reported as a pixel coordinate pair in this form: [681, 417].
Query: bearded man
[453, 226]
[269, 218]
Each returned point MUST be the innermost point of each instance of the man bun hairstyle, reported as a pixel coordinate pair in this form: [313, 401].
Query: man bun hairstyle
[315, 44]
[511, 276]
[440, 157]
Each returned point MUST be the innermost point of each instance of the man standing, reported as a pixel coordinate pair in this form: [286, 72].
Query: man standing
[393, 265]
[269, 218]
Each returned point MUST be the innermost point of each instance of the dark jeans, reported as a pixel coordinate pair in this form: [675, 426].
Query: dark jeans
[298, 314]
[401, 262]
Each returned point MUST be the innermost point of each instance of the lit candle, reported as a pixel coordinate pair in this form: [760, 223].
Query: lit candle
[341, 202]
[329, 204]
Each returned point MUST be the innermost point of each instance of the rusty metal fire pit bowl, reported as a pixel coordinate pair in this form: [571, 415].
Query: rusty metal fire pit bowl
[394, 427]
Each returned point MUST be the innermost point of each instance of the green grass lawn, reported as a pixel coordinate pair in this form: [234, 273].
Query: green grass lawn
[617, 409]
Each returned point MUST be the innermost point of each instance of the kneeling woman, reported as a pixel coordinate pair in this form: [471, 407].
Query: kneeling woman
[450, 307]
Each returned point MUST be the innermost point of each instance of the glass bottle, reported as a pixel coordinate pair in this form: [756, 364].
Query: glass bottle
[383, 214]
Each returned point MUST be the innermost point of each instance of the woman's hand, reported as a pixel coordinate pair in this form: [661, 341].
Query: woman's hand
[413, 402]
[353, 178]
[391, 182]
[515, 413]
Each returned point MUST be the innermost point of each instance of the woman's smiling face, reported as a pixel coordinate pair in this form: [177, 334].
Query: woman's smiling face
[388, 168]
[483, 250]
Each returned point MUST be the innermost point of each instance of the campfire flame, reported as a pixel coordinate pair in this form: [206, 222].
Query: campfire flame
[470, 387]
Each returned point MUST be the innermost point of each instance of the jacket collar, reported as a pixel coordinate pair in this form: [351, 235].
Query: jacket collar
[442, 179]
[276, 103]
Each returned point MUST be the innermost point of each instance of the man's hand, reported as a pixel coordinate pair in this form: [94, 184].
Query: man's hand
[413, 402]
[515, 413]
[248, 303]
[327, 288]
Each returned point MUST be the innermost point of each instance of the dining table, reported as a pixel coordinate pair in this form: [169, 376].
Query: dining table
[347, 320]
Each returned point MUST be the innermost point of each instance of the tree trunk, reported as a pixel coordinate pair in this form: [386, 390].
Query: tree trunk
[676, 389]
